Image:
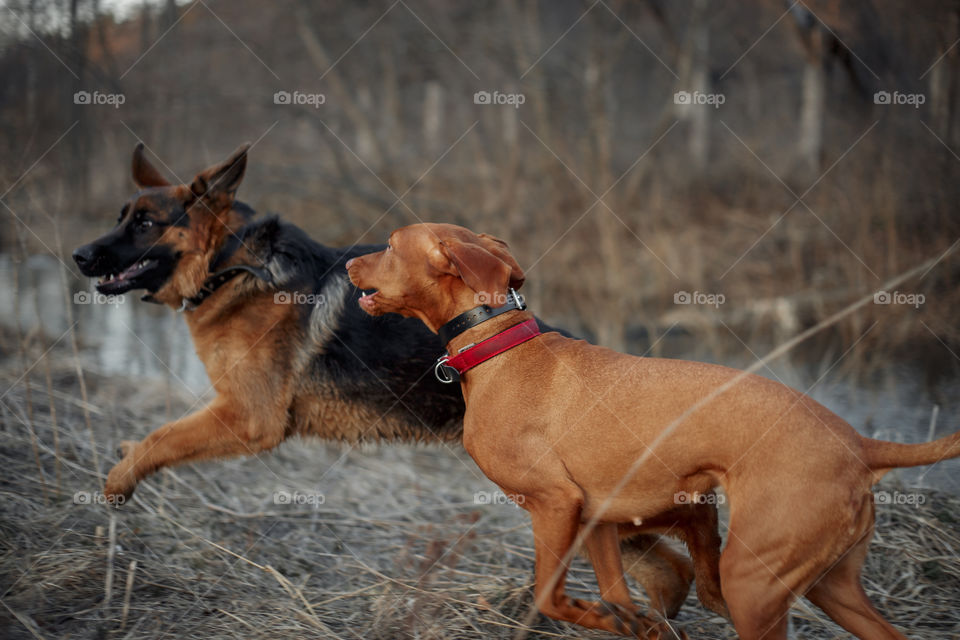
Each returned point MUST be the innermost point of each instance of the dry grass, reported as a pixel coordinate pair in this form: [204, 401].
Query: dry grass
[398, 549]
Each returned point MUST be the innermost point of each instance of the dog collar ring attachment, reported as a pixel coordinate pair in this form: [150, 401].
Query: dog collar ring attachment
[445, 374]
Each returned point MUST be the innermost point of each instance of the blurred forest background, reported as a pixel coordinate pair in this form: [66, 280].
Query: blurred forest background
[796, 194]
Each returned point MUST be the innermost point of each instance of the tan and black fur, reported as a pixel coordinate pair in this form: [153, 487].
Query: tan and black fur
[321, 368]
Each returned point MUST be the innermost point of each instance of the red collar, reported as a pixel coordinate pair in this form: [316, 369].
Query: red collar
[483, 351]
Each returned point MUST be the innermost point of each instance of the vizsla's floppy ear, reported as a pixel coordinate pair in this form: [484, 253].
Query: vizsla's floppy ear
[144, 173]
[488, 270]
[222, 179]
[499, 248]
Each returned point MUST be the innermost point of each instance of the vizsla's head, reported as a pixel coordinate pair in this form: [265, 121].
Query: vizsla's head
[435, 272]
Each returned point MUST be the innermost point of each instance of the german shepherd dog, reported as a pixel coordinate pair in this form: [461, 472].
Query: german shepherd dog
[275, 321]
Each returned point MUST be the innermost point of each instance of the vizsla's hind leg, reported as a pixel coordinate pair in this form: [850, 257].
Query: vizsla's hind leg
[758, 600]
[817, 552]
[840, 594]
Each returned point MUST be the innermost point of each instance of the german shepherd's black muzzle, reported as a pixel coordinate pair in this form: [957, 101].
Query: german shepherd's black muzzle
[133, 255]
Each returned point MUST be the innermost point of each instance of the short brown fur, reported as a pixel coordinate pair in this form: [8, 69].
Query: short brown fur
[560, 422]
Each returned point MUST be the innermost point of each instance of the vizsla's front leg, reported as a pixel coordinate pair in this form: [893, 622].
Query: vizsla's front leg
[220, 429]
[603, 548]
[555, 526]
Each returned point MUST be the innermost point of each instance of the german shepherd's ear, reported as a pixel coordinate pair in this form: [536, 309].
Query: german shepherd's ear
[222, 180]
[144, 173]
[488, 272]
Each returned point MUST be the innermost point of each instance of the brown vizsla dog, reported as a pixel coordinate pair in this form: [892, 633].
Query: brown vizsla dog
[560, 422]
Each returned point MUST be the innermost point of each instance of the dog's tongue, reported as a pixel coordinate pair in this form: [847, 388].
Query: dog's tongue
[366, 300]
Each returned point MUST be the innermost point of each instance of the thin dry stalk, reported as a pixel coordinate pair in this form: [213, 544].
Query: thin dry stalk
[111, 551]
[128, 591]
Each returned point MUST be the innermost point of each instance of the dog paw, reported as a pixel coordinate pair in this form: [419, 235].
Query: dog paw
[624, 621]
[126, 447]
[640, 626]
[120, 484]
[662, 631]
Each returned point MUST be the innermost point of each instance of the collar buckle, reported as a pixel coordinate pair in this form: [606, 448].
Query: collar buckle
[478, 315]
[517, 299]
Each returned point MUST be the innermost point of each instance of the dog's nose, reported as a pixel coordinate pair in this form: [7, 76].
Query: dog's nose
[83, 256]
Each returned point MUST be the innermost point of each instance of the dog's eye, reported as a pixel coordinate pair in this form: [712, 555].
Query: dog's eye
[143, 225]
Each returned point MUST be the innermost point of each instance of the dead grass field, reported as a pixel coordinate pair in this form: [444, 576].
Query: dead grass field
[397, 549]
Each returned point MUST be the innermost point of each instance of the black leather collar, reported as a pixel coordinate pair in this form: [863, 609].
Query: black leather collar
[220, 278]
[477, 315]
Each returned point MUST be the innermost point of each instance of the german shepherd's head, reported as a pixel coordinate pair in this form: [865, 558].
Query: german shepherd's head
[167, 234]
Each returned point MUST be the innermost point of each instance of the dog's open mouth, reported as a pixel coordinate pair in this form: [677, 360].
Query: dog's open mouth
[116, 283]
[368, 301]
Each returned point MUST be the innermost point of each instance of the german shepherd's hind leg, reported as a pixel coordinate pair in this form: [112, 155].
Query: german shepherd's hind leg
[221, 429]
[664, 573]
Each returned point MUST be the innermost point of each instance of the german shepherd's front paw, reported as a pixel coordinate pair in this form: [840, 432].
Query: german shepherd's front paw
[126, 447]
[121, 481]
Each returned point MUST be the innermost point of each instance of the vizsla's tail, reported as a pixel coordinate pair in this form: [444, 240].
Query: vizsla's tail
[882, 456]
